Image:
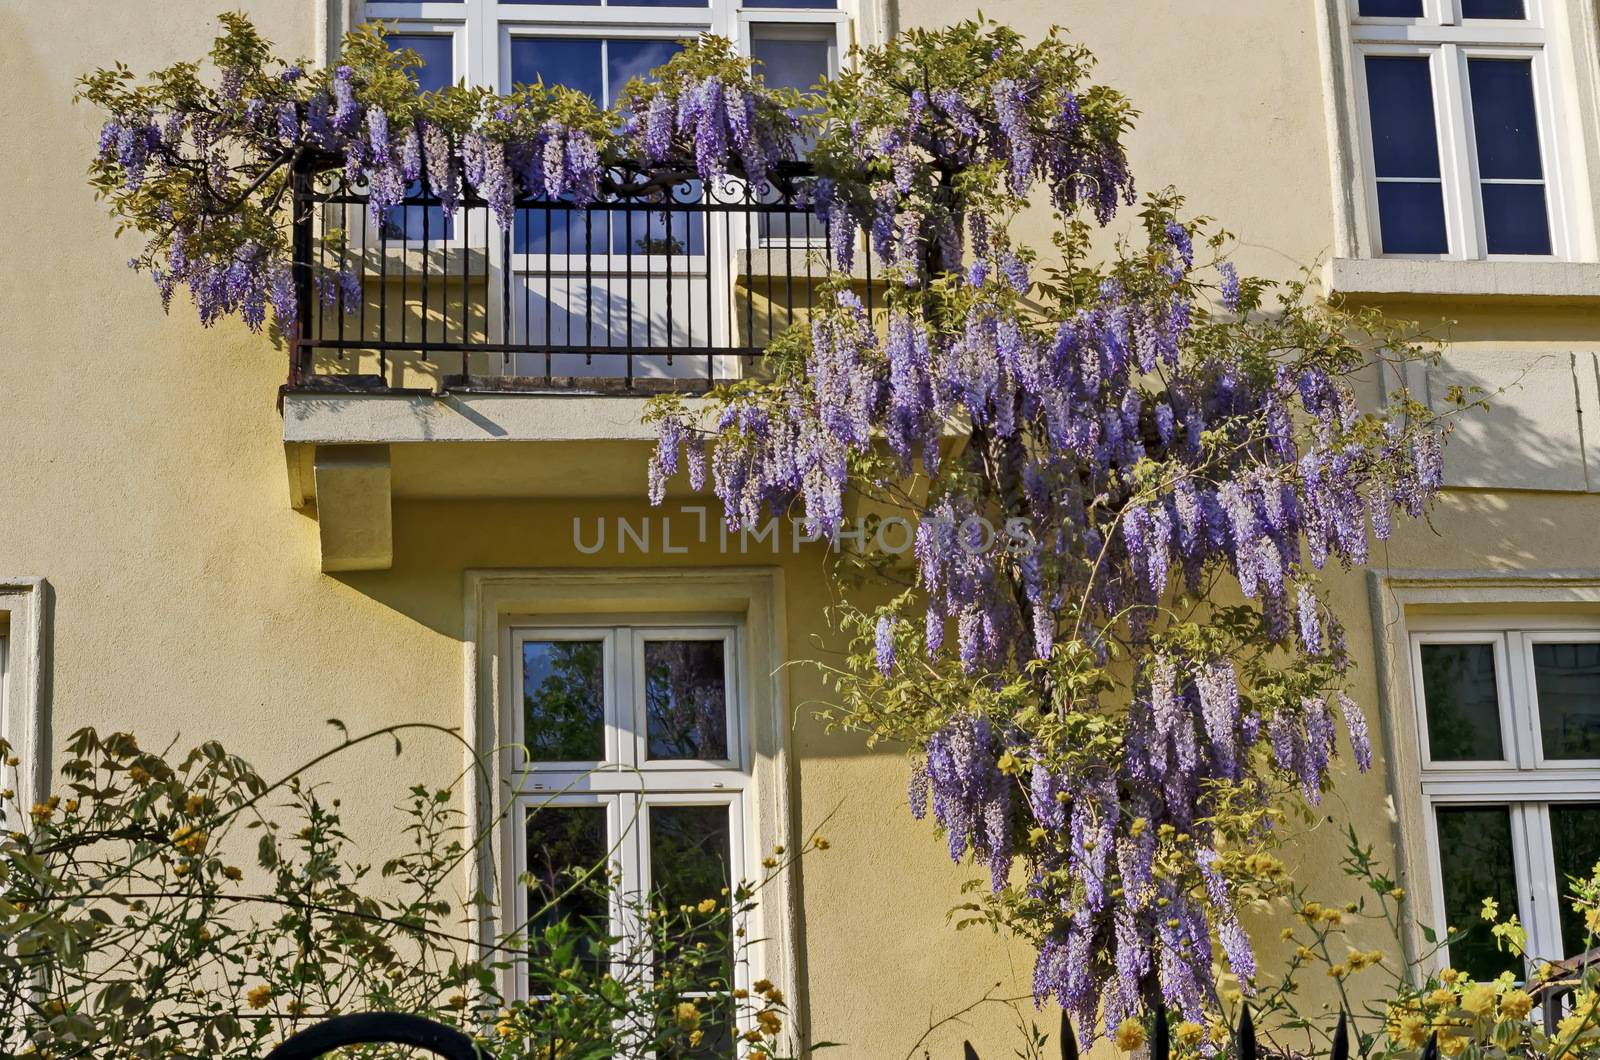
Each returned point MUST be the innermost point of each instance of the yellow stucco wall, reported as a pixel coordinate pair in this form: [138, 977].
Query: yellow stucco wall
[142, 473]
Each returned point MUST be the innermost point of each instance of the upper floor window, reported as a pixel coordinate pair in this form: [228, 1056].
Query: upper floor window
[1461, 146]
[1509, 719]
[597, 45]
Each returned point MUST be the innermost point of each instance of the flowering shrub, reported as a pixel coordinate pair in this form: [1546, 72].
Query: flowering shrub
[134, 924]
[204, 171]
[1416, 999]
[1111, 698]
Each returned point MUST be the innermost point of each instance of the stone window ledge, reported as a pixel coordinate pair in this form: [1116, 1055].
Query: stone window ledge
[1565, 281]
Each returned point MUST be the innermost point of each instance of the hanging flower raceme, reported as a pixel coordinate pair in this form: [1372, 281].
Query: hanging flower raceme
[205, 171]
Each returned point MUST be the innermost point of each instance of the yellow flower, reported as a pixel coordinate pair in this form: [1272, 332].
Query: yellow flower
[1130, 1035]
[506, 1029]
[761, 986]
[775, 996]
[139, 775]
[695, 1037]
[1397, 893]
[1305, 953]
[1218, 1032]
[1442, 996]
[769, 863]
[1516, 1004]
[1449, 975]
[820, 843]
[1137, 826]
[1413, 1031]
[708, 905]
[741, 993]
[1490, 910]
[687, 1014]
[1189, 1034]
[1451, 1043]
[259, 996]
[194, 804]
[1287, 934]
[769, 1022]
[1479, 1000]
[1338, 971]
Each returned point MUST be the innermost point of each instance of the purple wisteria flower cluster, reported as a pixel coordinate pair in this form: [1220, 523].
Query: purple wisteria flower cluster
[1134, 679]
[205, 173]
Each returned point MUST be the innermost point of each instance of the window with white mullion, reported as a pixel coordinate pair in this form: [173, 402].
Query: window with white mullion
[633, 755]
[1461, 163]
[1509, 720]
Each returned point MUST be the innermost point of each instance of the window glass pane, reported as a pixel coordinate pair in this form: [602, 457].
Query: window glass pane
[1400, 99]
[1492, 9]
[437, 52]
[1567, 683]
[627, 59]
[571, 61]
[1575, 835]
[563, 696]
[1462, 703]
[1504, 122]
[1411, 217]
[568, 847]
[1391, 8]
[1476, 862]
[689, 854]
[787, 61]
[686, 699]
[690, 857]
[1514, 219]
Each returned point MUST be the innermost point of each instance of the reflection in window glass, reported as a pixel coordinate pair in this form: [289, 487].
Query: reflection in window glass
[689, 854]
[1391, 8]
[1575, 836]
[566, 875]
[1493, 9]
[686, 699]
[563, 696]
[1405, 151]
[1567, 683]
[1506, 131]
[1476, 861]
[1461, 702]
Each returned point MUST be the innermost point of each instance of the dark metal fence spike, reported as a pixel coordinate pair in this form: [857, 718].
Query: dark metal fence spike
[1246, 1035]
[1341, 1040]
[968, 1051]
[1069, 1041]
[1431, 1050]
[1161, 1047]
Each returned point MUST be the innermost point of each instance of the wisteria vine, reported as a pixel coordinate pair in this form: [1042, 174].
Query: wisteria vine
[205, 171]
[1110, 700]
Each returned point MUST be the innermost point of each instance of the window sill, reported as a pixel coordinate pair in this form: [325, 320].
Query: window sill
[1556, 281]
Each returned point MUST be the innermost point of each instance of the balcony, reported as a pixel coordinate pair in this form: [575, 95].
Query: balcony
[654, 286]
[456, 358]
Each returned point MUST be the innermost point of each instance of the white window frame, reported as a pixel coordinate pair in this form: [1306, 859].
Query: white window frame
[1524, 782]
[24, 655]
[1448, 41]
[744, 604]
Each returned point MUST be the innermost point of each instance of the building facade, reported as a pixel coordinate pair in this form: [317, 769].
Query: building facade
[182, 556]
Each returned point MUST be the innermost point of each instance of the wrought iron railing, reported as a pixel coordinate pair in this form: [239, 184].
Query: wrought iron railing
[662, 282]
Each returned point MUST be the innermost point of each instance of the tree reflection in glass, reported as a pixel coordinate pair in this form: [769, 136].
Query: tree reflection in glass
[686, 699]
[563, 696]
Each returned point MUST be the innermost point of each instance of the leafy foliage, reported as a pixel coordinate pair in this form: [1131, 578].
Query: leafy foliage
[135, 925]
